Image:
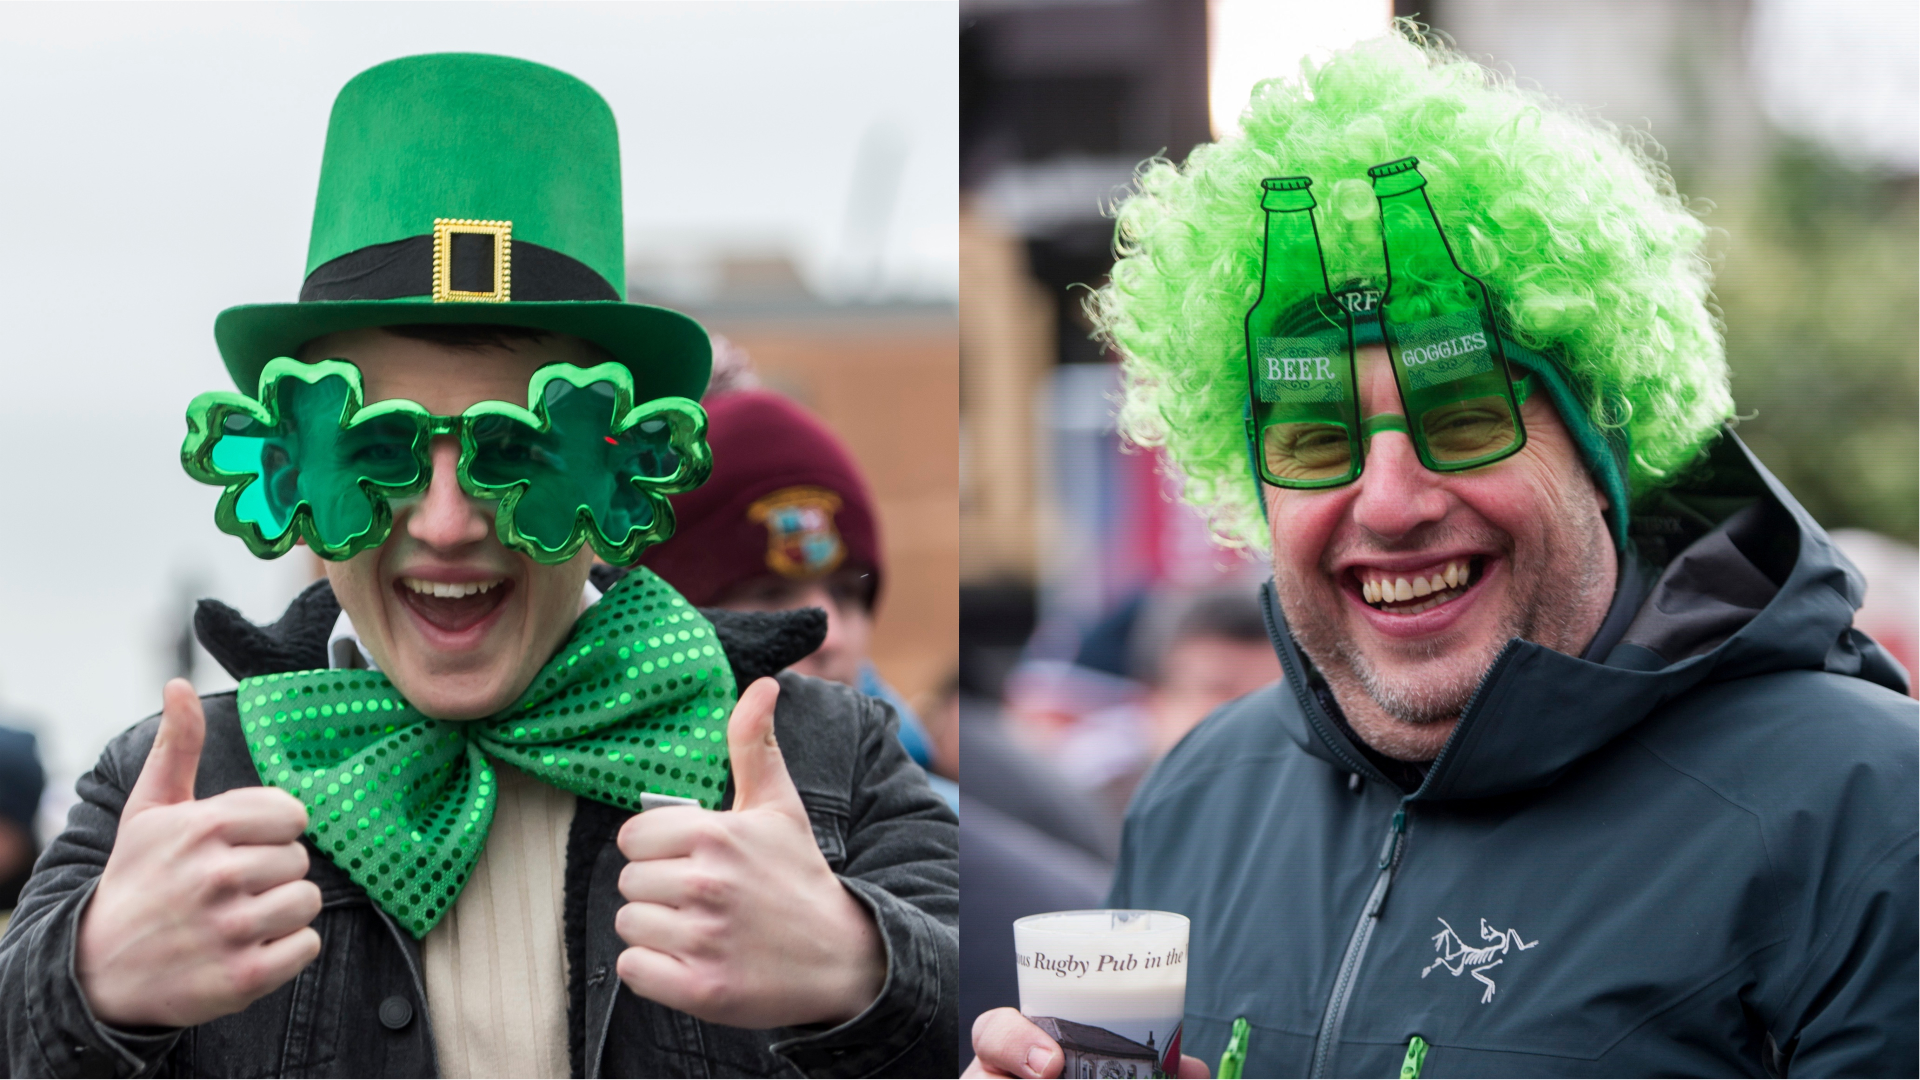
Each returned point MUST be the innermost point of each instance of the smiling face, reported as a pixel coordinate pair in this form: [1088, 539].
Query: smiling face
[458, 621]
[1404, 585]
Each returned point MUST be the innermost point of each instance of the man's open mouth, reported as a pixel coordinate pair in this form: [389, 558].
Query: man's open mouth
[1404, 593]
[452, 606]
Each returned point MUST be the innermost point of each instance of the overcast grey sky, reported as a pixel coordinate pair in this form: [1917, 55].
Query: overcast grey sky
[158, 163]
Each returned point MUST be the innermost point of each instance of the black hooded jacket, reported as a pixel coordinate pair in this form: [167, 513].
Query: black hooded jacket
[360, 1008]
[1691, 852]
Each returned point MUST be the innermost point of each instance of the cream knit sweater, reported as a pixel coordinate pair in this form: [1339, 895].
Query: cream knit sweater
[497, 963]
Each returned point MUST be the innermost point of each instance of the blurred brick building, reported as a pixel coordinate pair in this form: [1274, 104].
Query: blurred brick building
[885, 375]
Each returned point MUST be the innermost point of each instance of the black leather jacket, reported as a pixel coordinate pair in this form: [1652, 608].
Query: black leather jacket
[360, 1008]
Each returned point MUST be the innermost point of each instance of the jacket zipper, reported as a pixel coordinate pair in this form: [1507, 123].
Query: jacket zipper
[1390, 853]
[1336, 1014]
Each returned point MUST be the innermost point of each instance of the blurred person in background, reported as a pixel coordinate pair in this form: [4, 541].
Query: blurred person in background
[22, 781]
[1191, 651]
[1580, 765]
[786, 522]
[943, 728]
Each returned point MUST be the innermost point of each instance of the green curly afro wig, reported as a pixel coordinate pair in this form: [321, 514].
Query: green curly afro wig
[1575, 228]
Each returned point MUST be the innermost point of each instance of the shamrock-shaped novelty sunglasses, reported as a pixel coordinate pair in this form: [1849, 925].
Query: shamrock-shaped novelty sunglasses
[308, 459]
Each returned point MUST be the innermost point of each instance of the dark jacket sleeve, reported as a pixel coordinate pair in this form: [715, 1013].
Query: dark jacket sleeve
[901, 859]
[1860, 994]
[49, 1030]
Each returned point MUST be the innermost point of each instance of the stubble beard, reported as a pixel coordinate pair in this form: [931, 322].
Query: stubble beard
[1558, 595]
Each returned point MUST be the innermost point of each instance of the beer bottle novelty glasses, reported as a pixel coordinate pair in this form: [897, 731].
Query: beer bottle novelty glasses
[1300, 370]
[1461, 408]
[309, 460]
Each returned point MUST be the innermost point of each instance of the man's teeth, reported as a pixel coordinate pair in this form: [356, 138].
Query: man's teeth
[1381, 588]
[449, 589]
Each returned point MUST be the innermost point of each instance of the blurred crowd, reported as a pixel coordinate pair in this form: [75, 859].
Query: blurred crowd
[22, 782]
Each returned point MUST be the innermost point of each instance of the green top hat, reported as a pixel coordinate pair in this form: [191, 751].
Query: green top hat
[464, 188]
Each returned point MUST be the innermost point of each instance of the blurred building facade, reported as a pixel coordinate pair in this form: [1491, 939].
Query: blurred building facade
[884, 375]
[1059, 103]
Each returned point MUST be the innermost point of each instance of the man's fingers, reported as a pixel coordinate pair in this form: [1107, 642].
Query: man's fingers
[1192, 1068]
[674, 883]
[661, 929]
[652, 974]
[1008, 1044]
[255, 815]
[271, 964]
[273, 914]
[256, 868]
[174, 761]
[759, 769]
[667, 832]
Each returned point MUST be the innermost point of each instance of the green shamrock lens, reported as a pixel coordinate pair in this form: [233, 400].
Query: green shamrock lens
[567, 470]
[306, 461]
[583, 464]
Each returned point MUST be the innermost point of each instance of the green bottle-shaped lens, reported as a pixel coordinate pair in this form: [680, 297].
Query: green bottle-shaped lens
[1440, 332]
[1304, 419]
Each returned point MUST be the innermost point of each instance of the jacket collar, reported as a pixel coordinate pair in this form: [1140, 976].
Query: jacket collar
[1753, 586]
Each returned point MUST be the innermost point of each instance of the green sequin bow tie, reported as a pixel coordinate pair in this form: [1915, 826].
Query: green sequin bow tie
[636, 702]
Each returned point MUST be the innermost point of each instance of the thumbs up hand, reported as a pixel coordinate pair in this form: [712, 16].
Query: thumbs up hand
[203, 905]
[734, 915]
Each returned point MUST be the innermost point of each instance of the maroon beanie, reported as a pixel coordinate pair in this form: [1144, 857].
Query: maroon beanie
[785, 498]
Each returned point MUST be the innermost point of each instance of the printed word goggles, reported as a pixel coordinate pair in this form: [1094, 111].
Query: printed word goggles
[308, 459]
[1462, 404]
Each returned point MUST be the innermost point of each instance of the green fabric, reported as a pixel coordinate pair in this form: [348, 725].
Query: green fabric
[466, 135]
[668, 353]
[1604, 453]
[635, 702]
[471, 136]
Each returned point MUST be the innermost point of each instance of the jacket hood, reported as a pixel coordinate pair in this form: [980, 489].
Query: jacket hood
[1750, 584]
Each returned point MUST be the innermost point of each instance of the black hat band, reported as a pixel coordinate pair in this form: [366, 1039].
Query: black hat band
[405, 268]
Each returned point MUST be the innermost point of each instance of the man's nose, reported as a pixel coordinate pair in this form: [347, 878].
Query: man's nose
[1396, 493]
[445, 517]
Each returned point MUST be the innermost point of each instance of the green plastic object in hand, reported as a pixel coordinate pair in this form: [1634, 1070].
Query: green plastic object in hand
[581, 463]
[1235, 1058]
[1415, 1060]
